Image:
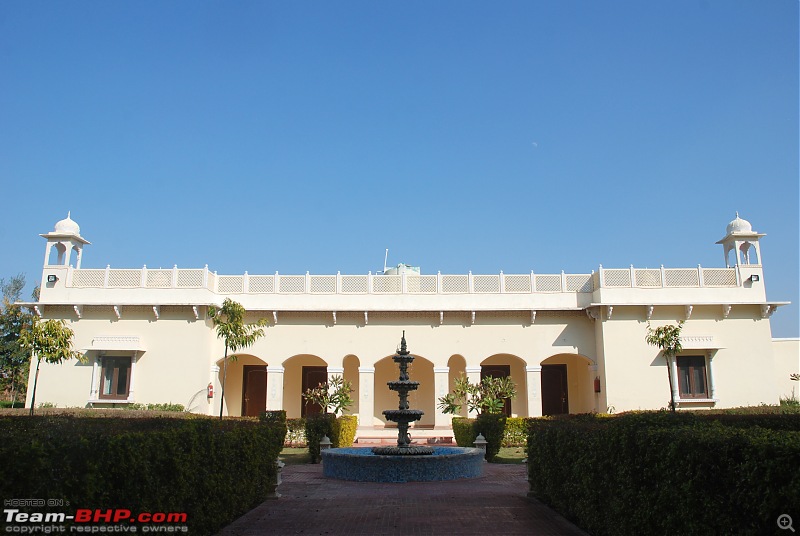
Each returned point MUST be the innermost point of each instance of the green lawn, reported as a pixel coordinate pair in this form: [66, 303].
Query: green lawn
[510, 455]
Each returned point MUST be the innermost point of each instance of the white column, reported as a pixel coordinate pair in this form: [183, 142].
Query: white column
[366, 391]
[214, 381]
[334, 371]
[675, 382]
[533, 377]
[595, 397]
[441, 380]
[474, 377]
[94, 393]
[712, 389]
[132, 383]
[275, 388]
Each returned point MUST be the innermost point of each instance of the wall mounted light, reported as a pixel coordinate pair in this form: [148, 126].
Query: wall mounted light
[52, 278]
[755, 277]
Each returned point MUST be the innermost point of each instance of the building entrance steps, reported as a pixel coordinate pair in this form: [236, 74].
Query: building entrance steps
[419, 435]
[495, 503]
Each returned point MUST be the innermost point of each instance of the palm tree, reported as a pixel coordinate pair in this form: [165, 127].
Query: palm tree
[229, 323]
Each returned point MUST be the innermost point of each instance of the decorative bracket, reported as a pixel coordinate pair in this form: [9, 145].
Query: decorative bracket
[609, 312]
[592, 312]
[118, 311]
[441, 317]
[726, 310]
[366, 318]
[78, 310]
[767, 310]
[275, 317]
[37, 311]
[689, 309]
[334, 317]
[533, 316]
[649, 313]
[157, 311]
[196, 312]
[472, 317]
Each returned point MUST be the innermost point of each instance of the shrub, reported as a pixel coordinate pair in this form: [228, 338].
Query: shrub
[493, 427]
[317, 426]
[296, 434]
[8, 404]
[166, 406]
[516, 433]
[464, 431]
[662, 473]
[213, 470]
[344, 429]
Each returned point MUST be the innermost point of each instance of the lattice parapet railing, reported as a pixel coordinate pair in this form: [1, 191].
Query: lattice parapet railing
[405, 284]
[489, 284]
[159, 278]
[681, 277]
[719, 277]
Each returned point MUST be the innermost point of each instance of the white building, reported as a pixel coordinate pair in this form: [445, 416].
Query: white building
[572, 342]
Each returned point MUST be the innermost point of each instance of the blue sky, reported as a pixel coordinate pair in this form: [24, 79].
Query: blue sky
[297, 136]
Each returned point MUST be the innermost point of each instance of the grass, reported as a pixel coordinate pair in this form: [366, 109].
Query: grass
[510, 455]
[295, 456]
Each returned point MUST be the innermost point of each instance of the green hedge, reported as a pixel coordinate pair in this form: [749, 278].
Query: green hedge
[516, 434]
[464, 431]
[296, 434]
[213, 470]
[341, 431]
[491, 426]
[658, 473]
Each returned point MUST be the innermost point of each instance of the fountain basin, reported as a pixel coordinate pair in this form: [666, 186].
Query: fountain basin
[362, 465]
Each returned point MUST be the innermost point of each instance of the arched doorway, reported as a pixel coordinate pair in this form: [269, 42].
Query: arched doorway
[424, 398]
[245, 385]
[566, 386]
[503, 365]
[301, 372]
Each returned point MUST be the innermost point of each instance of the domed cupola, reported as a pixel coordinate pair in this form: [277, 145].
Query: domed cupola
[740, 237]
[739, 226]
[64, 239]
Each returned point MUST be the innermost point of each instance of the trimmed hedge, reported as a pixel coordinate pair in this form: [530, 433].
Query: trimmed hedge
[344, 431]
[213, 470]
[662, 473]
[516, 434]
[464, 431]
[491, 426]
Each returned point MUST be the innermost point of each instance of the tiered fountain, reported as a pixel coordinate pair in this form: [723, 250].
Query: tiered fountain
[405, 462]
[402, 415]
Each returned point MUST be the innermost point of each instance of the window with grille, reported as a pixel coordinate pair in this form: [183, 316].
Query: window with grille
[692, 378]
[115, 378]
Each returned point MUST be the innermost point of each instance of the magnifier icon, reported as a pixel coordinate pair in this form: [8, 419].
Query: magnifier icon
[785, 522]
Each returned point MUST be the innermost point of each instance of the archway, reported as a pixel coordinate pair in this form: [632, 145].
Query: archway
[424, 398]
[458, 368]
[509, 365]
[299, 370]
[245, 385]
[566, 385]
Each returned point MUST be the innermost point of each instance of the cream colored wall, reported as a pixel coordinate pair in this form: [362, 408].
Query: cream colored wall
[457, 366]
[293, 382]
[234, 382]
[174, 367]
[787, 361]
[636, 375]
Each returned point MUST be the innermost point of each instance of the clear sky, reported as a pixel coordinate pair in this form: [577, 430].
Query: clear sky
[483, 136]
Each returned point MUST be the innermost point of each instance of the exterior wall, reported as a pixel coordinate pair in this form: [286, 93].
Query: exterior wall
[742, 367]
[787, 361]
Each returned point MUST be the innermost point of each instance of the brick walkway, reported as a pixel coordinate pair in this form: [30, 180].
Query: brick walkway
[312, 504]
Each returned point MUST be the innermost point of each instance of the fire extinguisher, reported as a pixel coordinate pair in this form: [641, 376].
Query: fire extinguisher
[210, 390]
[597, 384]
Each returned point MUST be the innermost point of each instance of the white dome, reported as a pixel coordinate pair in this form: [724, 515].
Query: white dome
[739, 225]
[67, 226]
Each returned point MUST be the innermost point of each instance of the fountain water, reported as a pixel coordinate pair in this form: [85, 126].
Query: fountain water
[405, 462]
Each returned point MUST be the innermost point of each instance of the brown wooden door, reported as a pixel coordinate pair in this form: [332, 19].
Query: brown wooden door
[312, 377]
[555, 399]
[498, 371]
[254, 390]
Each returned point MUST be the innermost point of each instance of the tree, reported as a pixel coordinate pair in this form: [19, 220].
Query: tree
[229, 323]
[334, 395]
[50, 340]
[668, 339]
[488, 396]
[13, 319]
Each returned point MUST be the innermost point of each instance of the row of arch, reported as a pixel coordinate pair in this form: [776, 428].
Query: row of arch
[421, 370]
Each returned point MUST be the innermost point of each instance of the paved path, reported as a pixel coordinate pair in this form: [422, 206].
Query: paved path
[495, 504]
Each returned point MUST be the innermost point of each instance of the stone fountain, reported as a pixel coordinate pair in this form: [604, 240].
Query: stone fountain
[405, 462]
[402, 415]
